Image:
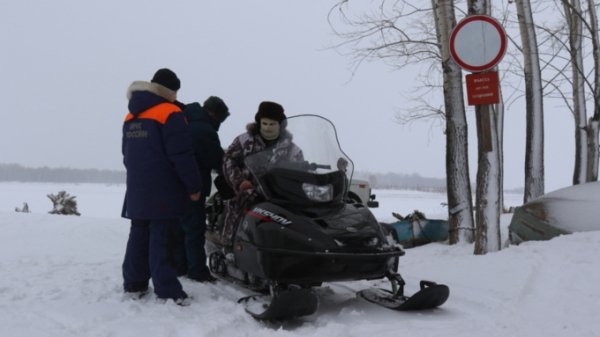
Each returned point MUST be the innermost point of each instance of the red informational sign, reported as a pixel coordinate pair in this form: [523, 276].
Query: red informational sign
[483, 88]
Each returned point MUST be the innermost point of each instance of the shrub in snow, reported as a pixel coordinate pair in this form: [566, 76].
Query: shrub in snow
[24, 209]
[63, 204]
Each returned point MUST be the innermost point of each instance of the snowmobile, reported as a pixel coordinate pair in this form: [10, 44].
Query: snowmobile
[305, 231]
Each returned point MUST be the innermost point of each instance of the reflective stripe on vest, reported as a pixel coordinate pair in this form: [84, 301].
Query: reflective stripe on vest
[159, 113]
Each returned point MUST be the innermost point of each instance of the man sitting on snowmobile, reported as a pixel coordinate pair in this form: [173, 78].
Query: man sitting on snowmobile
[267, 132]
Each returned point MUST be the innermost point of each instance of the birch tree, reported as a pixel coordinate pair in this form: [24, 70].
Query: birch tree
[393, 38]
[460, 209]
[581, 31]
[573, 16]
[489, 189]
[594, 122]
[534, 146]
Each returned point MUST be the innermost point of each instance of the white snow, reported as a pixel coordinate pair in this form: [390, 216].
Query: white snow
[561, 205]
[61, 276]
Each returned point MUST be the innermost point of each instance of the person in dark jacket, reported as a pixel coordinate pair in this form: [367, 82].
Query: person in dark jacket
[267, 132]
[204, 121]
[161, 176]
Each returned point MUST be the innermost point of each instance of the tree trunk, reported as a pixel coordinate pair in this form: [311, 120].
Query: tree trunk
[500, 129]
[534, 147]
[573, 15]
[487, 233]
[487, 204]
[460, 202]
[592, 128]
[592, 142]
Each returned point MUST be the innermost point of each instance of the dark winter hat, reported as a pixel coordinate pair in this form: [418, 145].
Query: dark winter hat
[270, 110]
[166, 78]
[218, 107]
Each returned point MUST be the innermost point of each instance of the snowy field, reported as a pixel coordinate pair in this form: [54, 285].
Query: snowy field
[60, 276]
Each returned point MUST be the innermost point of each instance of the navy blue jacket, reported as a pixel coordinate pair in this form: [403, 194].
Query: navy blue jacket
[161, 170]
[206, 144]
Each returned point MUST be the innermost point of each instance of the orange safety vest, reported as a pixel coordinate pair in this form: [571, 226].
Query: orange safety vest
[159, 113]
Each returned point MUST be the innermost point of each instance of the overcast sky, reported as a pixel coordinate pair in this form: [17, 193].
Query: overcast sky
[66, 64]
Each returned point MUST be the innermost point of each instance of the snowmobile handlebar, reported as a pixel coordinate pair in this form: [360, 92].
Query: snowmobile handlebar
[304, 165]
[314, 166]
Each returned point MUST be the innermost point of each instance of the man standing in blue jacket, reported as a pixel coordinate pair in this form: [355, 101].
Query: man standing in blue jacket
[205, 121]
[161, 176]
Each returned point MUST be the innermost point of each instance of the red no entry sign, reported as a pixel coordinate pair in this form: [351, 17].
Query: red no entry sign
[477, 43]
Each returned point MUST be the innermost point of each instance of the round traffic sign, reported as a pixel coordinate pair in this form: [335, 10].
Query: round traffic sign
[477, 43]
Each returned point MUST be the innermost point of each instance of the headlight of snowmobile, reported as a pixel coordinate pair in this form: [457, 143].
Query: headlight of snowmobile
[319, 193]
[373, 242]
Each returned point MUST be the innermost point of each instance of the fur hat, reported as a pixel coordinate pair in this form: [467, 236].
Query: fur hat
[166, 78]
[218, 107]
[270, 110]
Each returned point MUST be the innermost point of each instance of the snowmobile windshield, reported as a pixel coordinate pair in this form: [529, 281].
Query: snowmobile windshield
[306, 165]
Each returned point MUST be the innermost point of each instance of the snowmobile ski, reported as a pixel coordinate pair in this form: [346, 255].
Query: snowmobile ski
[285, 304]
[430, 296]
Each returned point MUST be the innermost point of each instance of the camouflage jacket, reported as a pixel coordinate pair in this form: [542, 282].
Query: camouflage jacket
[234, 168]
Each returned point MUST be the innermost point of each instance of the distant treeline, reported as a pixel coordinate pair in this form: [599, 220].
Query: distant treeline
[15, 172]
[402, 181]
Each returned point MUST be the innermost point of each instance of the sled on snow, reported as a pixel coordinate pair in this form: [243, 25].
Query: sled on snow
[416, 230]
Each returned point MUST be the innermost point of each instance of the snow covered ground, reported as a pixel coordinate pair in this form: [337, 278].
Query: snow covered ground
[60, 276]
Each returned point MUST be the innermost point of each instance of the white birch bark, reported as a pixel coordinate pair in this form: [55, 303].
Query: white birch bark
[500, 129]
[534, 147]
[593, 123]
[488, 192]
[460, 202]
[572, 13]
[592, 142]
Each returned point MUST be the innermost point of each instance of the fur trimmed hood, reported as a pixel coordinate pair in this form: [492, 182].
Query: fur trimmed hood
[154, 88]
